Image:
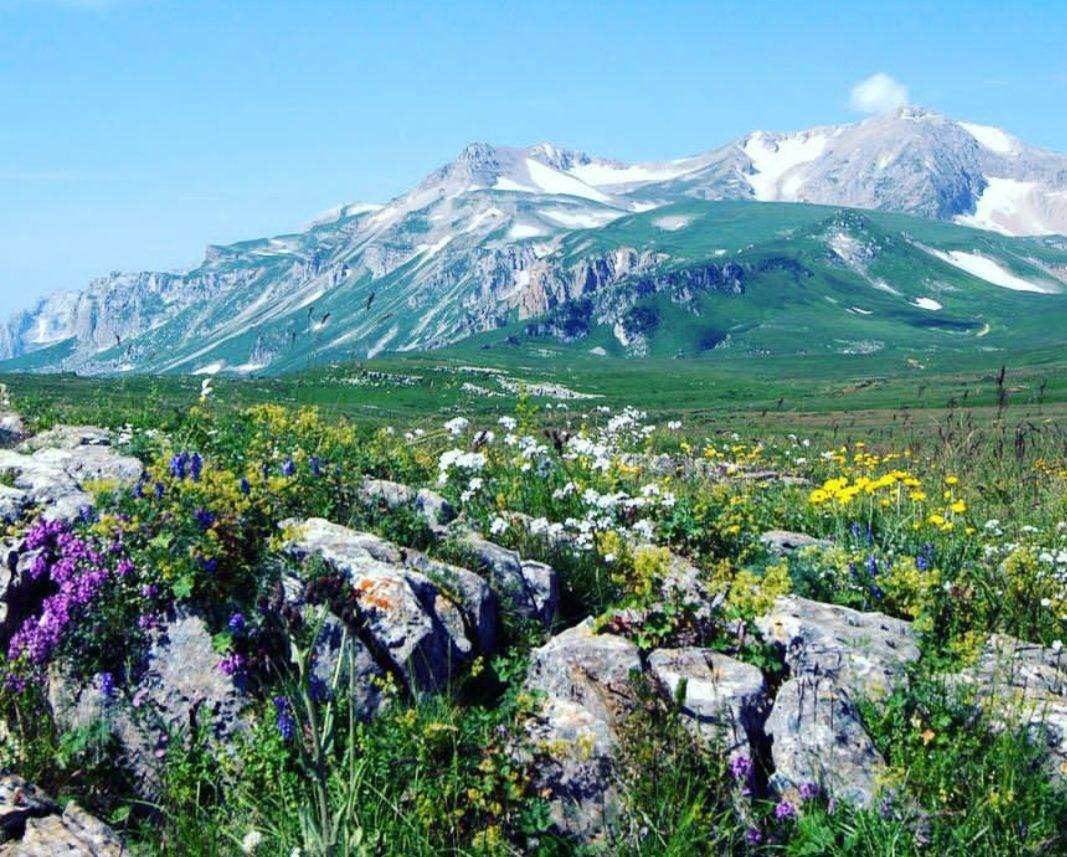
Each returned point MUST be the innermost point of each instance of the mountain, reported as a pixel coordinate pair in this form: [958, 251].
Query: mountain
[541, 241]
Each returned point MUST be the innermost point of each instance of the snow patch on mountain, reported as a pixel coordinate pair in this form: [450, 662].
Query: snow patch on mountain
[989, 270]
[1013, 207]
[776, 161]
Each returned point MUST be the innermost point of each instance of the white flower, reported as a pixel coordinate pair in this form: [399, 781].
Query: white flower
[457, 426]
[538, 526]
[1046, 602]
[674, 425]
[253, 839]
[507, 423]
[498, 526]
[205, 389]
[645, 529]
[1057, 645]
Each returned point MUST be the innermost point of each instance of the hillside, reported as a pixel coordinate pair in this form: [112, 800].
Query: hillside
[615, 254]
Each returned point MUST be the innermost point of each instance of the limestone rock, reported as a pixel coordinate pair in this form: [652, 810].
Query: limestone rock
[532, 588]
[435, 509]
[784, 541]
[866, 653]
[67, 437]
[1023, 683]
[74, 833]
[575, 767]
[179, 686]
[20, 801]
[420, 619]
[587, 680]
[12, 428]
[818, 737]
[724, 699]
[591, 669]
[56, 477]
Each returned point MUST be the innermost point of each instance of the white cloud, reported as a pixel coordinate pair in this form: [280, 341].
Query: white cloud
[878, 93]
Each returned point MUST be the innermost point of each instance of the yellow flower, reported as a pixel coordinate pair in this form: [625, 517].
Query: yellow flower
[958, 507]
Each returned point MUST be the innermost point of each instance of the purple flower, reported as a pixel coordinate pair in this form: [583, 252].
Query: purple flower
[149, 590]
[85, 514]
[872, 566]
[246, 488]
[753, 836]
[740, 767]
[236, 623]
[785, 809]
[205, 518]
[107, 684]
[125, 567]
[178, 464]
[138, 490]
[159, 490]
[288, 466]
[809, 790]
[318, 689]
[233, 664]
[284, 719]
[316, 470]
[196, 466]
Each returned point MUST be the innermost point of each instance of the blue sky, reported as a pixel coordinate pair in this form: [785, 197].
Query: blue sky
[134, 132]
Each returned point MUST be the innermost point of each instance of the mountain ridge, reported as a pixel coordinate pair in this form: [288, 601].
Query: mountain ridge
[482, 241]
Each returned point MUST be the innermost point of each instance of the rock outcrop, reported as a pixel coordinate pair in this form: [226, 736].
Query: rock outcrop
[31, 825]
[52, 471]
[1018, 683]
[586, 681]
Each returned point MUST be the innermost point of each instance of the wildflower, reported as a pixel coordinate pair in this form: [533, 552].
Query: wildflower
[785, 809]
[809, 790]
[288, 466]
[753, 836]
[205, 394]
[233, 664]
[205, 518]
[316, 470]
[107, 684]
[245, 488]
[457, 426]
[237, 623]
[253, 839]
[498, 526]
[178, 464]
[196, 466]
[284, 718]
[740, 767]
[507, 423]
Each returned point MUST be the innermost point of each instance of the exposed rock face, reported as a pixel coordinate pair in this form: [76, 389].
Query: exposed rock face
[866, 653]
[435, 509]
[51, 470]
[180, 687]
[587, 681]
[1023, 683]
[32, 825]
[420, 619]
[819, 737]
[836, 655]
[784, 541]
[724, 699]
[532, 588]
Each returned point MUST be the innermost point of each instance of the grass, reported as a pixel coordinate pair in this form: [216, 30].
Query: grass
[444, 773]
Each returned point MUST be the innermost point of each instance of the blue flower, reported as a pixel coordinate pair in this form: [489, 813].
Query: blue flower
[178, 463]
[245, 487]
[316, 471]
[107, 684]
[196, 466]
[236, 623]
[205, 518]
[159, 490]
[284, 719]
[288, 466]
[872, 566]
